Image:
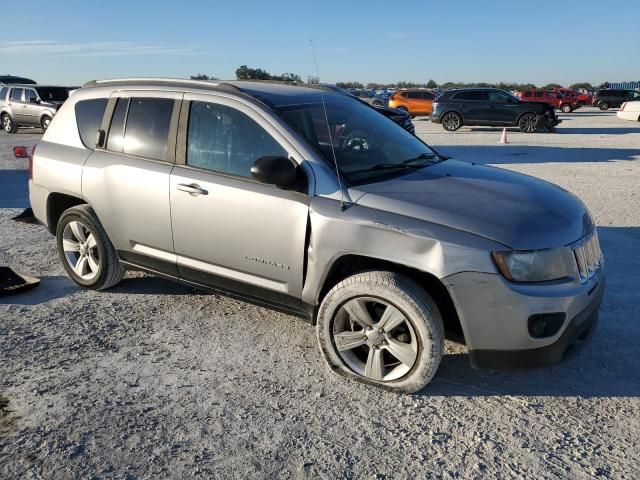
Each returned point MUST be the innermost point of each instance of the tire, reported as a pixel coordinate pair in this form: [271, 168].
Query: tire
[566, 108]
[44, 123]
[451, 121]
[414, 331]
[603, 105]
[8, 124]
[528, 123]
[101, 267]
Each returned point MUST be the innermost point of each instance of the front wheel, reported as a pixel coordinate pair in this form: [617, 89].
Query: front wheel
[44, 123]
[8, 125]
[85, 250]
[451, 121]
[528, 123]
[382, 329]
[566, 108]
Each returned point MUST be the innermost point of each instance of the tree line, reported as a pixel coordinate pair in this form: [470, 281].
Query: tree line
[243, 72]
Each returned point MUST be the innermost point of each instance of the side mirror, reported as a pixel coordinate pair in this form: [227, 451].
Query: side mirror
[274, 170]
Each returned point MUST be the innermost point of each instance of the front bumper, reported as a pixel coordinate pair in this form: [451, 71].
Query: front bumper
[494, 315]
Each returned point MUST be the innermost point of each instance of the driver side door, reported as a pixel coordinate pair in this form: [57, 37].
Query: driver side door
[231, 232]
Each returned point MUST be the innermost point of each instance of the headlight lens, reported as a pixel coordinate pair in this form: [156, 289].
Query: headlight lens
[534, 265]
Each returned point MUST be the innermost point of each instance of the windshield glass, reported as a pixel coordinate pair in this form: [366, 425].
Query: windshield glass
[368, 146]
[53, 94]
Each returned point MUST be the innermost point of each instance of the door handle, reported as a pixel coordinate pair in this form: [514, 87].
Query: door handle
[193, 189]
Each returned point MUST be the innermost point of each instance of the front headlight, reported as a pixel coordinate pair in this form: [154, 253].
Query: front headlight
[534, 265]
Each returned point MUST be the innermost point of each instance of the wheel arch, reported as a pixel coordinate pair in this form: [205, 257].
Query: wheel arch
[350, 264]
[57, 203]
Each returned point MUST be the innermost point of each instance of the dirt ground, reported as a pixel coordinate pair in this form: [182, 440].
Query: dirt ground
[153, 380]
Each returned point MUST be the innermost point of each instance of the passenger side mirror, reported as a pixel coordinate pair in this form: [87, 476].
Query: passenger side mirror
[274, 170]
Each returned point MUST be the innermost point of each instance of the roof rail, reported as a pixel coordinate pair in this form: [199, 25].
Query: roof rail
[185, 81]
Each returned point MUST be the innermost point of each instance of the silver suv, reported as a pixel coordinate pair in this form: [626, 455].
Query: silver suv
[309, 202]
[29, 105]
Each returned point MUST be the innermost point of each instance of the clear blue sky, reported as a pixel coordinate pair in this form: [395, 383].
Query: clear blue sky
[70, 42]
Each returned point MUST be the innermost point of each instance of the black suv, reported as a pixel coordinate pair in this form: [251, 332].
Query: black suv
[609, 98]
[491, 107]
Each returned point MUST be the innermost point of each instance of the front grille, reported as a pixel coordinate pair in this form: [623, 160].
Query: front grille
[588, 256]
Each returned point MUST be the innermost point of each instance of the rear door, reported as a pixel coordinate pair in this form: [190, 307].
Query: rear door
[18, 106]
[230, 231]
[126, 180]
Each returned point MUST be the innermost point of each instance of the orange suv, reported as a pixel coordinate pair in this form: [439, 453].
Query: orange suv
[415, 101]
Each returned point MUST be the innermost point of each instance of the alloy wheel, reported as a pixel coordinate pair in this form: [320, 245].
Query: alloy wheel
[451, 121]
[45, 123]
[6, 123]
[81, 250]
[528, 123]
[375, 339]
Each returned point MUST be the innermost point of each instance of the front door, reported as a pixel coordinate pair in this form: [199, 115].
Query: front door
[32, 107]
[504, 109]
[230, 231]
[18, 106]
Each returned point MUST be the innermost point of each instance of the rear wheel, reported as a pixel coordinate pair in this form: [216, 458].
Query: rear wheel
[566, 108]
[528, 123]
[85, 250]
[451, 121]
[44, 123]
[382, 329]
[8, 125]
[603, 105]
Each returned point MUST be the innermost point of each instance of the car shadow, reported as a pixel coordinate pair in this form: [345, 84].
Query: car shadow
[512, 154]
[598, 131]
[50, 288]
[607, 366]
[13, 189]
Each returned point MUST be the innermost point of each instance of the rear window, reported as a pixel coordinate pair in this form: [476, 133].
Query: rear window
[3, 93]
[89, 115]
[146, 132]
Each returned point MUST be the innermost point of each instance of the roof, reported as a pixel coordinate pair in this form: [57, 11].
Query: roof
[273, 93]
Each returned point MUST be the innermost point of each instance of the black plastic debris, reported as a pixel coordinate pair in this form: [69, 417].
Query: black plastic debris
[25, 217]
[12, 282]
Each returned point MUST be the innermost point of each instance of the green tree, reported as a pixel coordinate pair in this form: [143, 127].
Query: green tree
[432, 84]
[552, 85]
[202, 76]
[246, 73]
[349, 84]
[582, 85]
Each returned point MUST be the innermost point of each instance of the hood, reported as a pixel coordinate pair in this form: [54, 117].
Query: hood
[516, 210]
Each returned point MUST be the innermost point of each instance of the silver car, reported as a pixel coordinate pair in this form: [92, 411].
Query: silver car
[306, 201]
[29, 105]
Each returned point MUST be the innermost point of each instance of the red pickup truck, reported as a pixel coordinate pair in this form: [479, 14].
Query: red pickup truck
[583, 98]
[555, 99]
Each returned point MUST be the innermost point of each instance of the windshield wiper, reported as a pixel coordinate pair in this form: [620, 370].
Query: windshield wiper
[417, 162]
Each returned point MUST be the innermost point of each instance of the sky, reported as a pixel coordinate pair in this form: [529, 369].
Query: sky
[71, 42]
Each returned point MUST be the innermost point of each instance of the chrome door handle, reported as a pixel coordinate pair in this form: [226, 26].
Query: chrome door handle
[192, 189]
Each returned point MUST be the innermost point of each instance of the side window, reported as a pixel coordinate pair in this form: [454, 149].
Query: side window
[147, 128]
[116, 129]
[527, 95]
[539, 94]
[89, 115]
[428, 95]
[497, 97]
[16, 94]
[223, 139]
[3, 93]
[30, 96]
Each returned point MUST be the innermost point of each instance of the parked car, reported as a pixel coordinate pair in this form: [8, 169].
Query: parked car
[606, 98]
[401, 117]
[368, 97]
[309, 202]
[491, 107]
[583, 98]
[564, 103]
[415, 101]
[11, 80]
[630, 111]
[29, 105]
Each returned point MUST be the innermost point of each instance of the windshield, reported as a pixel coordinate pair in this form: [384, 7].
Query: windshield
[53, 94]
[368, 146]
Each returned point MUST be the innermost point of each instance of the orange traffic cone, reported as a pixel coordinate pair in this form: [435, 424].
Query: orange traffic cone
[503, 139]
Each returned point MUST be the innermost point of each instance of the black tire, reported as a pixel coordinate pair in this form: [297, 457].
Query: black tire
[566, 108]
[110, 270]
[451, 121]
[528, 122]
[44, 123]
[8, 125]
[415, 306]
[603, 105]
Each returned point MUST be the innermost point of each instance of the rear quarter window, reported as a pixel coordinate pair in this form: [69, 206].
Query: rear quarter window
[89, 115]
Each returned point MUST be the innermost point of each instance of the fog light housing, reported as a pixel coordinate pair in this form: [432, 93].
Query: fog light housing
[544, 325]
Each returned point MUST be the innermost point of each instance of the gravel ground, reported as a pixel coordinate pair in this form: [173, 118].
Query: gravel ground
[153, 380]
